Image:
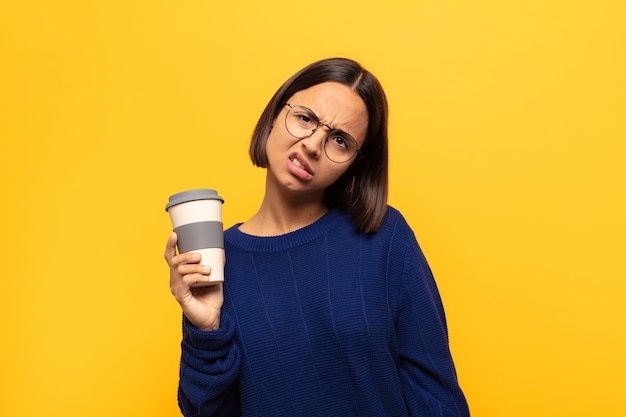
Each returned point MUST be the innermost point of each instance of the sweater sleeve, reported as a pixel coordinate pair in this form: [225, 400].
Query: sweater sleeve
[429, 380]
[209, 369]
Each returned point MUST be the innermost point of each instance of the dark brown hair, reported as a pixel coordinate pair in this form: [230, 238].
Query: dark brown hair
[362, 190]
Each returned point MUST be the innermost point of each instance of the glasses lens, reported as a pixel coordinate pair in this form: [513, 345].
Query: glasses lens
[300, 122]
[340, 147]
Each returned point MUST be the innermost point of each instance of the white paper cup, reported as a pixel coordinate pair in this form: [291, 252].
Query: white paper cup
[196, 217]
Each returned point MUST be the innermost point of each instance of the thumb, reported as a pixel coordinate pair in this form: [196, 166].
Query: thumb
[170, 247]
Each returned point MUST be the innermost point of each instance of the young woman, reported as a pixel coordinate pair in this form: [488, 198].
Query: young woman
[328, 306]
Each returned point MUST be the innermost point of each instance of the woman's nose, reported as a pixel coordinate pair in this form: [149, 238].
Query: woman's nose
[314, 144]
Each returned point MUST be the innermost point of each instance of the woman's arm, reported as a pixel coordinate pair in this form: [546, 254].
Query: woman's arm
[210, 359]
[429, 380]
[209, 369]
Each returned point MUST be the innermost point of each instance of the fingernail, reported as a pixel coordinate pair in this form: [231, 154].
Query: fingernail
[206, 268]
[196, 256]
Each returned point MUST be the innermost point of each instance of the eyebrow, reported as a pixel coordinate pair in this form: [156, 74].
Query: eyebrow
[332, 129]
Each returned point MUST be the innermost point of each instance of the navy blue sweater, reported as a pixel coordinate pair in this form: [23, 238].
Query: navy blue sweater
[324, 321]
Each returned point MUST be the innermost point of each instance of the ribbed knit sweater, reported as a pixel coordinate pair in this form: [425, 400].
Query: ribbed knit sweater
[324, 321]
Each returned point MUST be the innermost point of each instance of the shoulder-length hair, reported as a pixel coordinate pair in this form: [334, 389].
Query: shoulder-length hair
[362, 190]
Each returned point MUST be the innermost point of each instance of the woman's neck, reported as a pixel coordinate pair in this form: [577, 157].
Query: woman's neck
[283, 212]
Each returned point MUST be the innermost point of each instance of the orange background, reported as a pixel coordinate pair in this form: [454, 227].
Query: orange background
[507, 158]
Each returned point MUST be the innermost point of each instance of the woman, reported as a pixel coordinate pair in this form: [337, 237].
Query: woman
[328, 305]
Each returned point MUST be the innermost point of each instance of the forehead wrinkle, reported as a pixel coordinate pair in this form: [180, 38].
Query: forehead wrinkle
[350, 124]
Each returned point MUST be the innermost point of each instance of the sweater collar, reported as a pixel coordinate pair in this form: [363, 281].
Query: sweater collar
[286, 241]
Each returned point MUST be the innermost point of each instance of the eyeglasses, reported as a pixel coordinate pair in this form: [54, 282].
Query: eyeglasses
[301, 123]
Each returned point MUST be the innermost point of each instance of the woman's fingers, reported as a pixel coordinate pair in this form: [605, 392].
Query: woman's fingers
[170, 247]
[194, 274]
[185, 271]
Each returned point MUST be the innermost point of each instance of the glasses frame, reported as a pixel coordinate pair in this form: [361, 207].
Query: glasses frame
[330, 132]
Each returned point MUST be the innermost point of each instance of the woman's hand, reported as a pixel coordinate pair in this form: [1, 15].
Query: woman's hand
[201, 305]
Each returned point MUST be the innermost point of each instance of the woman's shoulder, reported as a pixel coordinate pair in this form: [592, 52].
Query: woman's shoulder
[394, 231]
[394, 212]
[395, 221]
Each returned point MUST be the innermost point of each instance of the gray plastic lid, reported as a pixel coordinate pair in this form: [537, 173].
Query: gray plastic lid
[191, 195]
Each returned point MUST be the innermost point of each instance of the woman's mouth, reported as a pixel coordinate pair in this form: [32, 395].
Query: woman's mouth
[300, 167]
[297, 163]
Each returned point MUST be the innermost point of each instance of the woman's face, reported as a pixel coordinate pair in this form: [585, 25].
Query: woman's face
[301, 165]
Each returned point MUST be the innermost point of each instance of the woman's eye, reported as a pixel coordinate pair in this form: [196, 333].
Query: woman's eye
[340, 142]
[304, 119]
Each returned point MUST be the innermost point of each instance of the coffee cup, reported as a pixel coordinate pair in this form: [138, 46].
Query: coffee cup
[196, 217]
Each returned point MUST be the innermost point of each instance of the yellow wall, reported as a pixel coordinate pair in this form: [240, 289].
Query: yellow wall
[507, 158]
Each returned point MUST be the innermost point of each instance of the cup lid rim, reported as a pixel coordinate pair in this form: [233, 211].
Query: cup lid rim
[192, 195]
